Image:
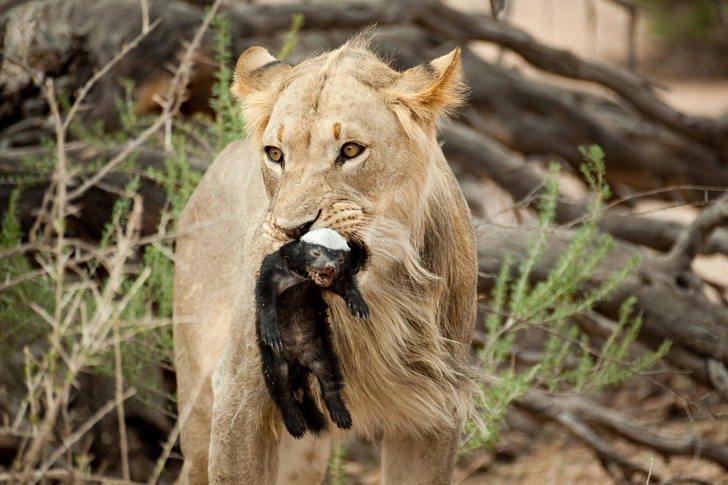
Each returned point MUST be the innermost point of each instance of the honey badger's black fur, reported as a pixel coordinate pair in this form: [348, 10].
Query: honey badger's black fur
[293, 333]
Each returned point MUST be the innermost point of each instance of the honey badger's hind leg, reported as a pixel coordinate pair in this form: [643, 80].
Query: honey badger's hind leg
[315, 420]
[325, 366]
[275, 373]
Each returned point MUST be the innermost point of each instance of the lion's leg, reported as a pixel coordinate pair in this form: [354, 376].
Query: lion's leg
[250, 445]
[425, 460]
[196, 436]
[304, 461]
[243, 445]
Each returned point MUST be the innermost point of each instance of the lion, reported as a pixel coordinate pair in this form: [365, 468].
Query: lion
[341, 141]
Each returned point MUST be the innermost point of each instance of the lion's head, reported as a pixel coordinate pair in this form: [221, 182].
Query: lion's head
[342, 137]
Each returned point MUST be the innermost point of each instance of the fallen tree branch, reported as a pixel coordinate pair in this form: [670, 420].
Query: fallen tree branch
[665, 442]
[65, 475]
[718, 376]
[636, 90]
[475, 153]
[688, 479]
[615, 464]
[688, 245]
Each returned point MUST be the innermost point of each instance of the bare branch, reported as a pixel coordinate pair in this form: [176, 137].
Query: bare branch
[718, 375]
[688, 245]
[614, 463]
[687, 479]
[80, 432]
[633, 88]
[58, 474]
[119, 378]
[665, 442]
[479, 154]
[106, 68]
[173, 101]
[145, 15]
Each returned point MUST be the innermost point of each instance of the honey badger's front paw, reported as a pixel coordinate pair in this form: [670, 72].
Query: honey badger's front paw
[271, 336]
[358, 307]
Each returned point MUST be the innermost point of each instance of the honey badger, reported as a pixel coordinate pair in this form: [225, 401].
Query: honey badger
[292, 329]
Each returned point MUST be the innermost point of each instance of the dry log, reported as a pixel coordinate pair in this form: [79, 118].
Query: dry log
[475, 153]
[670, 297]
[630, 86]
[665, 442]
[534, 118]
[618, 466]
[579, 415]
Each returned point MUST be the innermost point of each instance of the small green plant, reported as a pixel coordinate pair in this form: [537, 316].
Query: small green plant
[228, 125]
[337, 474]
[517, 305]
[291, 39]
[678, 21]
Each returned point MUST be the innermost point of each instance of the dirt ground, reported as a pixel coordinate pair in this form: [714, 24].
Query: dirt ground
[553, 457]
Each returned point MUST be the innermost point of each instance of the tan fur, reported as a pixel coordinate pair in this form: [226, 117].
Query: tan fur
[405, 371]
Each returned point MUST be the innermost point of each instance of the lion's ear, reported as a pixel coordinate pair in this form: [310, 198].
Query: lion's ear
[257, 71]
[258, 77]
[431, 92]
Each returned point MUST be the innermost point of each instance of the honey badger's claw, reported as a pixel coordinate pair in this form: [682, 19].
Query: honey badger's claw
[359, 309]
[272, 338]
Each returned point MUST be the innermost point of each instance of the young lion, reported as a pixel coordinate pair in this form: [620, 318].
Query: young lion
[293, 334]
[343, 141]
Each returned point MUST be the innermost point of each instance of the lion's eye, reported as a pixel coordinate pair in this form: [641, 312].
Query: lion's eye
[274, 154]
[350, 150]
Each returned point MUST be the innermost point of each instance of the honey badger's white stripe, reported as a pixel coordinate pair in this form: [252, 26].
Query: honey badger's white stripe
[326, 237]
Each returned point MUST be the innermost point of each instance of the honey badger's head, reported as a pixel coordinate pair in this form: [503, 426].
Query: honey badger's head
[324, 253]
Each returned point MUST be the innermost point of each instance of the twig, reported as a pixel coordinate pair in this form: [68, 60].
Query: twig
[145, 16]
[607, 455]
[497, 7]
[172, 102]
[688, 244]
[718, 375]
[57, 213]
[633, 13]
[120, 415]
[61, 474]
[688, 479]
[101, 72]
[80, 432]
[649, 475]
[166, 451]
[26, 277]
